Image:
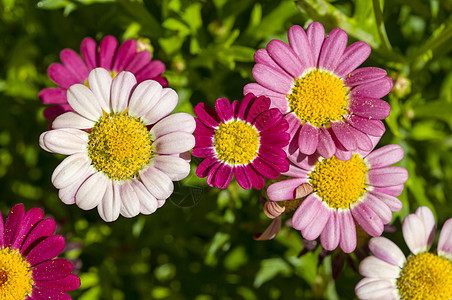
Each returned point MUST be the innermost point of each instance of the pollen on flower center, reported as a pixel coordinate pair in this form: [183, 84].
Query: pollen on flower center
[426, 276]
[120, 146]
[318, 98]
[236, 142]
[339, 183]
[15, 275]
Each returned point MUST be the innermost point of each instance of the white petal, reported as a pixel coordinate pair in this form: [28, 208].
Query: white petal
[70, 170]
[174, 143]
[165, 105]
[386, 250]
[429, 224]
[84, 102]
[371, 288]
[110, 205]
[160, 202]
[175, 167]
[374, 267]
[66, 141]
[72, 119]
[130, 204]
[92, 191]
[148, 203]
[173, 123]
[157, 183]
[121, 89]
[67, 194]
[445, 240]
[99, 81]
[413, 230]
[144, 97]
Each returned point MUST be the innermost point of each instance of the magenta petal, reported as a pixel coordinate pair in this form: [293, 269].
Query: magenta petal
[46, 249]
[203, 130]
[138, 62]
[256, 107]
[367, 219]
[242, 179]
[353, 56]
[374, 89]
[384, 156]
[331, 234]
[394, 190]
[261, 57]
[326, 146]
[40, 231]
[392, 202]
[257, 181]
[88, 49]
[207, 115]
[52, 269]
[272, 79]
[379, 208]
[274, 155]
[316, 37]
[308, 139]
[202, 141]
[315, 228]
[284, 190]
[371, 127]
[285, 57]
[267, 119]
[306, 212]
[364, 75]
[371, 108]
[162, 80]
[75, 64]
[61, 75]
[13, 224]
[46, 293]
[298, 40]
[50, 113]
[68, 283]
[224, 109]
[53, 96]
[245, 105]
[107, 52]
[203, 152]
[348, 231]
[2, 232]
[212, 173]
[276, 139]
[387, 176]
[151, 70]
[344, 135]
[204, 167]
[265, 168]
[124, 55]
[282, 126]
[30, 219]
[332, 49]
[223, 176]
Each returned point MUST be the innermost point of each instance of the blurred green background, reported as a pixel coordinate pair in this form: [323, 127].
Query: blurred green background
[200, 244]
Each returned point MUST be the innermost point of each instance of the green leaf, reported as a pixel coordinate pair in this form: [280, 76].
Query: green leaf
[270, 268]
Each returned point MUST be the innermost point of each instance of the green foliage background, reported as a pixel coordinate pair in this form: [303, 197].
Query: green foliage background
[200, 244]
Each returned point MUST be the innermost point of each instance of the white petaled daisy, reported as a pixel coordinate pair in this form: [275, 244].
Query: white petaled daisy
[124, 150]
[422, 275]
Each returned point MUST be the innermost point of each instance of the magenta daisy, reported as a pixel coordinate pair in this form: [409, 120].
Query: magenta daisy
[361, 189]
[75, 69]
[245, 139]
[28, 267]
[314, 81]
[124, 148]
[422, 275]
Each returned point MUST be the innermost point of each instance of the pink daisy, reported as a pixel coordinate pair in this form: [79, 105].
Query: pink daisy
[422, 275]
[124, 148]
[361, 189]
[108, 56]
[28, 267]
[314, 82]
[245, 139]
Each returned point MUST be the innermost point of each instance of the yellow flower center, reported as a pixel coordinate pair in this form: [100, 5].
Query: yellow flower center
[339, 183]
[318, 98]
[15, 275]
[236, 142]
[120, 146]
[426, 276]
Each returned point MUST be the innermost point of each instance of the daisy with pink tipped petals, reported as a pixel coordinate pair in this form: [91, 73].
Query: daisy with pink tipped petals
[28, 267]
[422, 275]
[315, 83]
[362, 189]
[243, 138]
[124, 148]
[75, 69]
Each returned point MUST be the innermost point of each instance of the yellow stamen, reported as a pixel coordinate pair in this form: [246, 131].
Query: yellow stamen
[318, 98]
[339, 183]
[236, 142]
[15, 275]
[120, 146]
[426, 276]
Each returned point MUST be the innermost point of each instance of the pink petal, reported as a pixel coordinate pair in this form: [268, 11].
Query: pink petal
[268, 119]
[306, 212]
[326, 146]
[308, 139]
[150, 71]
[367, 219]
[374, 89]
[392, 202]
[331, 234]
[387, 176]
[348, 231]
[138, 62]
[70, 170]
[371, 108]
[394, 190]
[364, 75]
[88, 49]
[315, 228]
[363, 141]
[285, 57]
[379, 208]
[344, 135]
[332, 49]
[284, 190]
[371, 127]
[316, 37]
[384, 156]
[272, 79]
[298, 40]
[353, 56]
[270, 232]
[107, 52]
[261, 57]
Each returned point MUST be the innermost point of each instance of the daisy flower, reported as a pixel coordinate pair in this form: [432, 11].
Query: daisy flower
[361, 189]
[245, 139]
[314, 81]
[124, 150]
[28, 267]
[422, 275]
[75, 69]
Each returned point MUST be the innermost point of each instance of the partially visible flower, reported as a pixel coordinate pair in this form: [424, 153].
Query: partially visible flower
[28, 267]
[361, 189]
[124, 150]
[108, 56]
[245, 139]
[422, 275]
[314, 81]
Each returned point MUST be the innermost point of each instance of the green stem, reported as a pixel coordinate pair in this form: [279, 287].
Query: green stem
[380, 25]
